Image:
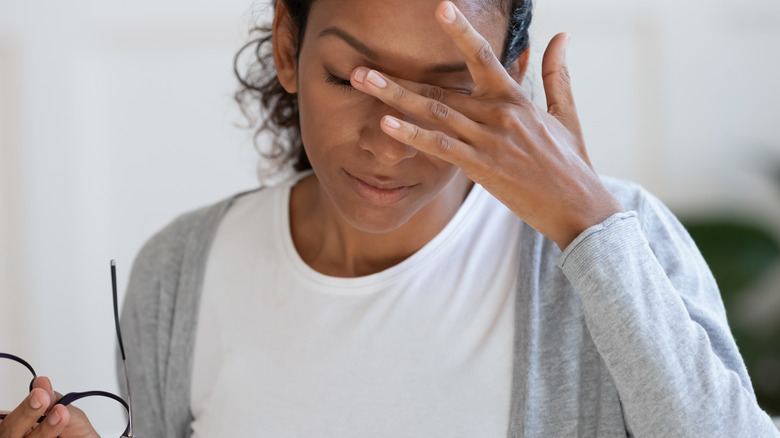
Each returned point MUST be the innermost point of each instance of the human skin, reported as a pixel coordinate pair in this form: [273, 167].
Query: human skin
[452, 128]
[432, 134]
[61, 421]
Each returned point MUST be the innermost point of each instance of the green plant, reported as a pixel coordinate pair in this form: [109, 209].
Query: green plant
[739, 254]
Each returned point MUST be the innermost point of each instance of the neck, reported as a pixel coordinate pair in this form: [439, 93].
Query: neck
[332, 246]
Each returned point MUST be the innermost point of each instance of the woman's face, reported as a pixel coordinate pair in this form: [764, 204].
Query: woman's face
[376, 183]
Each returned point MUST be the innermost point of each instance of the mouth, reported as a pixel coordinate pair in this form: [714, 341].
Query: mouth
[378, 191]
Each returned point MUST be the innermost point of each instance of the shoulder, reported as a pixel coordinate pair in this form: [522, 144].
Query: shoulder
[181, 245]
[166, 246]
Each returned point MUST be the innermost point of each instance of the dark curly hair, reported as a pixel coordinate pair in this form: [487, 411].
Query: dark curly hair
[271, 110]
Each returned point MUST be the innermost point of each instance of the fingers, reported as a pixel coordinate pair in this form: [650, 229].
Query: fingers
[53, 424]
[435, 143]
[459, 100]
[45, 384]
[483, 64]
[79, 425]
[25, 417]
[432, 110]
[557, 83]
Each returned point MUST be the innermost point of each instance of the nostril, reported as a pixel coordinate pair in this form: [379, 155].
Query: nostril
[389, 152]
[398, 152]
[384, 148]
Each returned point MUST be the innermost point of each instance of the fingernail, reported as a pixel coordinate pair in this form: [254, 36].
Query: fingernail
[34, 403]
[391, 122]
[375, 79]
[53, 418]
[449, 13]
[360, 75]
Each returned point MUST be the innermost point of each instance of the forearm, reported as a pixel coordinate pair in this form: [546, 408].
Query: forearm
[673, 359]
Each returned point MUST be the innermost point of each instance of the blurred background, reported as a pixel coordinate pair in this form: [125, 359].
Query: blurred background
[115, 117]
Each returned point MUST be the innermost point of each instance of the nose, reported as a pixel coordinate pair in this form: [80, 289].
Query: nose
[384, 148]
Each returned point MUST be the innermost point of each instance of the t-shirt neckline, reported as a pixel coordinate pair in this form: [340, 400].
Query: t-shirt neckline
[376, 281]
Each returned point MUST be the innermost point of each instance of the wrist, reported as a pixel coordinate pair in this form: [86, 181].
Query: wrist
[588, 217]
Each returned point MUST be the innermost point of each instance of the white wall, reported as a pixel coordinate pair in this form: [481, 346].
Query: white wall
[678, 95]
[116, 116]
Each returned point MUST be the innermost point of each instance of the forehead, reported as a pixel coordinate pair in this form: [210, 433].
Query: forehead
[400, 29]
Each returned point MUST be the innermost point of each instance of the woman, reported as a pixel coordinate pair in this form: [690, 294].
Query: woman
[451, 265]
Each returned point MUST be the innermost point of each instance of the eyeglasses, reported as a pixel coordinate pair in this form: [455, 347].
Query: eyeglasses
[73, 396]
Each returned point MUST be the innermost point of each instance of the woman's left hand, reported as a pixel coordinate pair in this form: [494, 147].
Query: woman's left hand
[533, 161]
[60, 421]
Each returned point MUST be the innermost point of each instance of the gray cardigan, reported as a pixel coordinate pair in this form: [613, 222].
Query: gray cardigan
[624, 333]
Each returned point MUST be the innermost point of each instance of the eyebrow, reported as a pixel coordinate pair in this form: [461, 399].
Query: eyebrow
[372, 54]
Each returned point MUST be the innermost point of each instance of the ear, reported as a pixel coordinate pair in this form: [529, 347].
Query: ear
[284, 49]
[518, 68]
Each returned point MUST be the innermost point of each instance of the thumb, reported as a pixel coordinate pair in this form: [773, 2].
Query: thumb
[45, 384]
[557, 83]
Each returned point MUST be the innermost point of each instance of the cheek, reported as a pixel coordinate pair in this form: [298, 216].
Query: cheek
[331, 120]
[330, 113]
[445, 171]
[324, 116]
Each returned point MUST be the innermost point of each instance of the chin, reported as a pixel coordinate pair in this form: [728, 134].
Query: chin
[376, 220]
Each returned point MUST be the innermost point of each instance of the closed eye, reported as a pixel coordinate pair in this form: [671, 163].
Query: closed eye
[335, 80]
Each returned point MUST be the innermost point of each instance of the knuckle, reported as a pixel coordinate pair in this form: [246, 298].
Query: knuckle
[485, 53]
[505, 120]
[442, 142]
[555, 108]
[494, 112]
[438, 110]
[416, 135]
[504, 117]
[399, 94]
[565, 77]
[433, 92]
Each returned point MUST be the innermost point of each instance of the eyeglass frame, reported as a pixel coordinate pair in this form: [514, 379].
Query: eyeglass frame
[73, 396]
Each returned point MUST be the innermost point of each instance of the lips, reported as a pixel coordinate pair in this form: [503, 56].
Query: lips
[377, 190]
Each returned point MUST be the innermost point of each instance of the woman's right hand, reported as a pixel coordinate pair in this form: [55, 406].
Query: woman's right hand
[61, 421]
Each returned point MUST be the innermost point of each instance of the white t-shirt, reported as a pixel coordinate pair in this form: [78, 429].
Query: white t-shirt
[423, 348]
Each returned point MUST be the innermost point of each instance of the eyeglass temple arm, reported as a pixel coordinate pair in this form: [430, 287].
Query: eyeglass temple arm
[129, 404]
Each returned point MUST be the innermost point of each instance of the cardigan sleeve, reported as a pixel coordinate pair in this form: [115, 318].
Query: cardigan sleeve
[656, 316]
